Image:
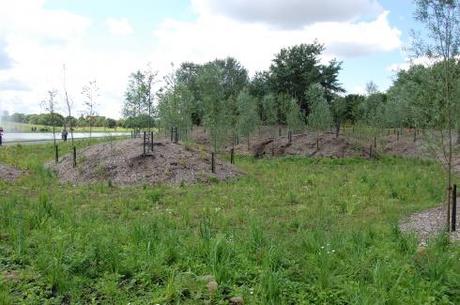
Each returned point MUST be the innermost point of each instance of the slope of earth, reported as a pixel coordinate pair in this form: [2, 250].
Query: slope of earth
[123, 163]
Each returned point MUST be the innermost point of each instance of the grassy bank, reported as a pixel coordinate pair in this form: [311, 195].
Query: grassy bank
[292, 231]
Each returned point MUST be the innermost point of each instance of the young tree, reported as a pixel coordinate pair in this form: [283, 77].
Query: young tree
[320, 118]
[339, 113]
[294, 117]
[50, 105]
[441, 44]
[248, 116]
[139, 95]
[175, 106]
[214, 104]
[69, 105]
[90, 92]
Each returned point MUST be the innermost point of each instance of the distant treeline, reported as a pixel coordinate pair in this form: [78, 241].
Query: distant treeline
[57, 119]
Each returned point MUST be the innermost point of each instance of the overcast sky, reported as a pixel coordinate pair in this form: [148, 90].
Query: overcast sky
[106, 40]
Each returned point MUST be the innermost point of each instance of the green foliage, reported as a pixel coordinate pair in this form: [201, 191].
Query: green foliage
[216, 119]
[248, 117]
[294, 117]
[297, 67]
[269, 110]
[320, 117]
[138, 96]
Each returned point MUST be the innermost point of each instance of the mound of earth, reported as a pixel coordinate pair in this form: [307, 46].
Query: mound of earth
[123, 163]
[304, 144]
[428, 223]
[403, 146]
[8, 173]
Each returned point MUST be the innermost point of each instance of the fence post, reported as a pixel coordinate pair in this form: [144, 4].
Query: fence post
[145, 139]
[232, 156]
[56, 150]
[213, 165]
[176, 135]
[151, 141]
[370, 152]
[172, 131]
[375, 143]
[454, 208]
[74, 157]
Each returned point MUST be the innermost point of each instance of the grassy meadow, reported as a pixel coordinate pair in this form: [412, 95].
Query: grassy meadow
[292, 231]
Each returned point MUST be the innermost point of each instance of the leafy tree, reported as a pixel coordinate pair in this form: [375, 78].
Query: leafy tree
[297, 67]
[294, 117]
[139, 94]
[215, 111]
[319, 118]
[441, 20]
[339, 112]
[111, 123]
[248, 116]
[50, 105]
[187, 75]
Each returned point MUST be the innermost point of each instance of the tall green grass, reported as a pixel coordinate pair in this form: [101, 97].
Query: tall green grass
[292, 231]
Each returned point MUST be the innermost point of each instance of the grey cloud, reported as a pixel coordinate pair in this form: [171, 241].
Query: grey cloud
[13, 85]
[294, 13]
[349, 49]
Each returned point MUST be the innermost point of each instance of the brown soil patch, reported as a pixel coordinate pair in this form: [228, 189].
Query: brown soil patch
[123, 163]
[305, 145]
[9, 173]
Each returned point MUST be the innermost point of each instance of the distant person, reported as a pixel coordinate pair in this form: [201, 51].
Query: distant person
[64, 135]
[1, 135]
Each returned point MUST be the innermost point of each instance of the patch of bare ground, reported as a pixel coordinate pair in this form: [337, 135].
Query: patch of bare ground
[304, 144]
[123, 163]
[428, 223]
[9, 173]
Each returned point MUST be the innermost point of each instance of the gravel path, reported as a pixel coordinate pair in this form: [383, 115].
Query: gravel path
[428, 223]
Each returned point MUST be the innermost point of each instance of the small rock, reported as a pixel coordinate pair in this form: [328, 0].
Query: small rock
[212, 287]
[236, 301]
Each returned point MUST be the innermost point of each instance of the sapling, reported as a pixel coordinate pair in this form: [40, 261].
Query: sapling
[294, 118]
[319, 118]
[247, 120]
[90, 92]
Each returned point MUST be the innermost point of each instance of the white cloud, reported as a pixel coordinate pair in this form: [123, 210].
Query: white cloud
[409, 62]
[255, 44]
[39, 41]
[289, 13]
[119, 27]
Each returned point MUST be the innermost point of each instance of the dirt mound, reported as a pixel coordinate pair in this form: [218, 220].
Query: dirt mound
[304, 144]
[8, 173]
[123, 163]
[403, 146]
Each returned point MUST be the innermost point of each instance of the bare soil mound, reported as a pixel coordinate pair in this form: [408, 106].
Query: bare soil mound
[304, 144]
[9, 173]
[123, 163]
[403, 146]
[428, 223]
